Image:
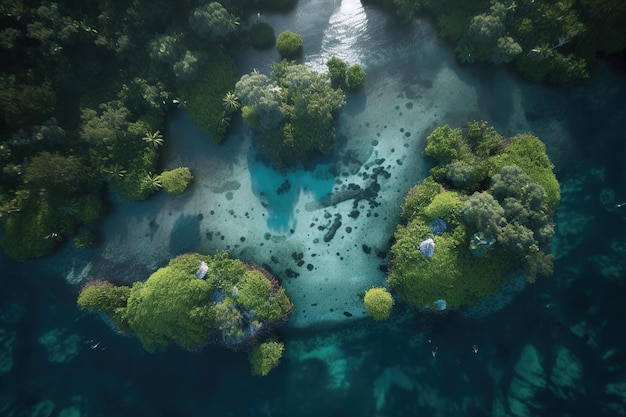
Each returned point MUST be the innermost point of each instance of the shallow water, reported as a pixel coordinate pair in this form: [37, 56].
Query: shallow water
[443, 365]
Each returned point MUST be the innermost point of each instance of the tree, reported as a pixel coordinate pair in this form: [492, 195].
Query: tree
[55, 173]
[213, 22]
[265, 357]
[175, 181]
[231, 102]
[289, 43]
[506, 50]
[155, 139]
[483, 214]
[152, 182]
[355, 76]
[445, 144]
[378, 303]
[337, 69]
[188, 67]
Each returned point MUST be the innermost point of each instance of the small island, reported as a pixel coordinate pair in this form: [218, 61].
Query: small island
[198, 300]
[484, 212]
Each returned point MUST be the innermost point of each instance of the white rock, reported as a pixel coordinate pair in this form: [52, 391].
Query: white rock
[427, 248]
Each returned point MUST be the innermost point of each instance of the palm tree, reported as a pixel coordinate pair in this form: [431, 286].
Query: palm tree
[233, 23]
[115, 172]
[231, 102]
[153, 181]
[9, 209]
[70, 208]
[155, 139]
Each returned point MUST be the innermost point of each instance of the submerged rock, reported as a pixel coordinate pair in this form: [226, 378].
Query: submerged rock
[567, 375]
[427, 248]
[529, 378]
[61, 346]
[7, 343]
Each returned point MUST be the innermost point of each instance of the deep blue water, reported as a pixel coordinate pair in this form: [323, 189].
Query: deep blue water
[442, 365]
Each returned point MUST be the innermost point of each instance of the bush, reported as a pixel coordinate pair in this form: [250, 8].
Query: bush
[102, 296]
[419, 197]
[337, 71]
[378, 303]
[175, 181]
[355, 76]
[447, 206]
[265, 357]
[262, 35]
[289, 44]
[445, 145]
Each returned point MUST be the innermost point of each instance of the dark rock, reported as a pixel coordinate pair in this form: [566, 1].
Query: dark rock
[309, 267]
[366, 249]
[333, 228]
[284, 187]
[347, 314]
[291, 273]
[274, 259]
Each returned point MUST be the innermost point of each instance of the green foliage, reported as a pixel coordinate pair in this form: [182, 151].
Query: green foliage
[35, 232]
[289, 43]
[85, 238]
[419, 197]
[498, 226]
[529, 153]
[446, 205]
[90, 208]
[262, 35]
[445, 144]
[337, 69]
[175, 181]
[213, 22]
[255, 293]
[103, 297]
[554, 41]
[265, 357]
[293, 110]
[54, 173]
[204, 95]
[355, 76]
[378, 303]
[174, 306]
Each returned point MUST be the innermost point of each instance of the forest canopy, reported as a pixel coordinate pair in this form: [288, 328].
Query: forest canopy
[544, 40]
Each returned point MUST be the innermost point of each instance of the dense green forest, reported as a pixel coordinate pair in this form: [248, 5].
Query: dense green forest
[543, 40]
[85, 87]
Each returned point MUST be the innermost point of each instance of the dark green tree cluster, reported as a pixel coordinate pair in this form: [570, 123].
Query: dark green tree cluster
[556, 41]
[84, 88]
[194, 300]
[293, 109]
[351, 78]
[488, 205]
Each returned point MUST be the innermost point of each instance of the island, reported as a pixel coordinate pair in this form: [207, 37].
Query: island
[198, 300]
[484, 212]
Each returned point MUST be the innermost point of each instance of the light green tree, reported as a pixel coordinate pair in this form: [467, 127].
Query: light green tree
[289, 43]
[378, 303]
[265, 357]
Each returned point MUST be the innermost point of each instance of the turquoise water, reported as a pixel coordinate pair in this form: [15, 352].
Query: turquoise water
[280, 191]
[558, 349]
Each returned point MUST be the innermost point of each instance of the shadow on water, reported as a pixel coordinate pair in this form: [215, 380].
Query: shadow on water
[185, 234]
